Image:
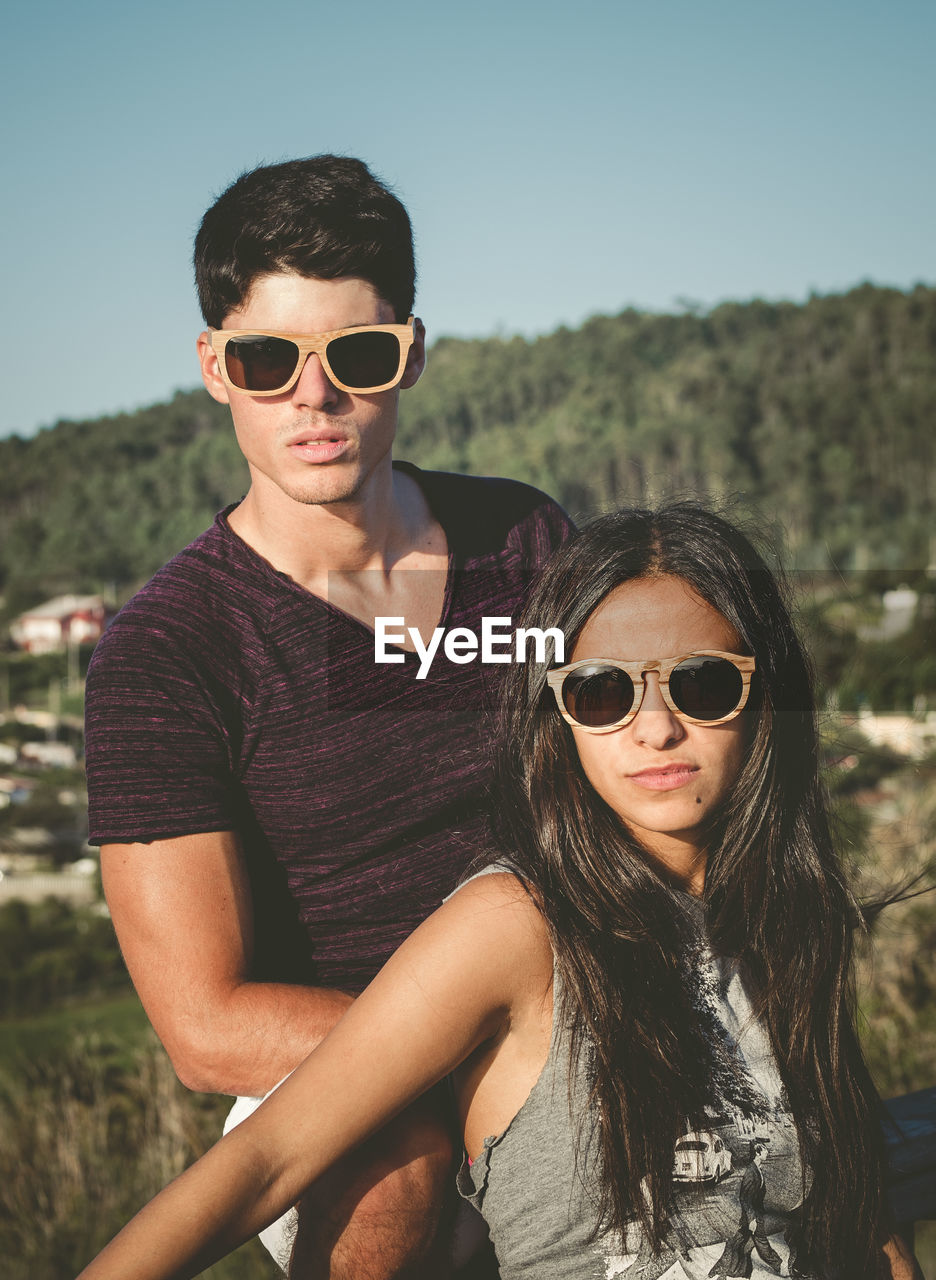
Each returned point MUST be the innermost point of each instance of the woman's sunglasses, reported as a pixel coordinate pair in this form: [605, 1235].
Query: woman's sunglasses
[265, 362]
[601, 694]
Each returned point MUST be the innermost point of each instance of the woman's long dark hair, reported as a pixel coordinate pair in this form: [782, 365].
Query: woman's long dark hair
[774, 897]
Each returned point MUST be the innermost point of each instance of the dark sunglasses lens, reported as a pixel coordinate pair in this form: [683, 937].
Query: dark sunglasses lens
[706, 688]
[598, 696]
[258, 363]
[363, 360]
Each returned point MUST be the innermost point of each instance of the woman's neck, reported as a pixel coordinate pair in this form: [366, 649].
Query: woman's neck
[680, 861]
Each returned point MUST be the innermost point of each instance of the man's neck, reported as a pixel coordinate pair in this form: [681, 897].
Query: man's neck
[357, 554]
[370, 530]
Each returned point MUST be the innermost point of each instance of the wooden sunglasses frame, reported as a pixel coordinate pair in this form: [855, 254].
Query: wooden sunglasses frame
[637, 670]
[308, 343]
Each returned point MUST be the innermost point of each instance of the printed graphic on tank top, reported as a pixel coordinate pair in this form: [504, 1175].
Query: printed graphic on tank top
[737, 1179]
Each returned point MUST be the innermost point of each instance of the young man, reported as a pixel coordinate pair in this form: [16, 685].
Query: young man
[283, 787]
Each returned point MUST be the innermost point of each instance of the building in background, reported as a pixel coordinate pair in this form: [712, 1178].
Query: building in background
[59, 623]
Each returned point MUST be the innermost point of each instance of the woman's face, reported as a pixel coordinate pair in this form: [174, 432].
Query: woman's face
[662, 775]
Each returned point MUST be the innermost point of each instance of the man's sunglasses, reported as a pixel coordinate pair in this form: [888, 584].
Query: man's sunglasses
[266, 362]
[601, 694]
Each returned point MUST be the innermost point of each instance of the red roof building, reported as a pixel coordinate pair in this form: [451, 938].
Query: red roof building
[60, 622]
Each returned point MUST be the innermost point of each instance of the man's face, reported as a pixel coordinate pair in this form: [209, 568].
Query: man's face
[315, 443]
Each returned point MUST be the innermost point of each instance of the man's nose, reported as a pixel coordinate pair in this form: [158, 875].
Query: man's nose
[313, 388]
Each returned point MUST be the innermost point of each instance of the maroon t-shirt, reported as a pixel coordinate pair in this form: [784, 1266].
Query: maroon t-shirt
[225, 696]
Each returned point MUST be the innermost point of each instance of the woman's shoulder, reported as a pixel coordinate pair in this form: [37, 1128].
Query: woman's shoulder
[497, 887]
[482, 960]
[505, 927]
[496, 917]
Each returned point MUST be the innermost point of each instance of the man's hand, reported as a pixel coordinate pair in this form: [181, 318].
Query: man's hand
[903, 1264]
[182, 911]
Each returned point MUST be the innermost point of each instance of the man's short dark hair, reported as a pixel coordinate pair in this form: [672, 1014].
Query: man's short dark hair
[324, 216]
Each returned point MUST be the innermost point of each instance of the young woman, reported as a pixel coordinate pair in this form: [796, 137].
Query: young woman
[645, 1000]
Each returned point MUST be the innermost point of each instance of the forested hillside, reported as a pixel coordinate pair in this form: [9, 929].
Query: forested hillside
[821, 415]
[818, 415]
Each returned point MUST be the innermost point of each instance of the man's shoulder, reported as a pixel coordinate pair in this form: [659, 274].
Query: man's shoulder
[487, 513]
[470, 495]
[213, 590]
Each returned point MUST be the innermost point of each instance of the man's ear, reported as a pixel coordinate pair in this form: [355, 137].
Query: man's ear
[211, 374]
[415, 357]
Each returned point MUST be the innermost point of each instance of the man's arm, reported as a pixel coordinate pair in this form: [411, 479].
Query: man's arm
[182, 912]
[425, 1012]
[903, 1264]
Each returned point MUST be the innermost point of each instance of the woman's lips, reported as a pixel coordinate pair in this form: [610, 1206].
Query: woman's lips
[665, 778]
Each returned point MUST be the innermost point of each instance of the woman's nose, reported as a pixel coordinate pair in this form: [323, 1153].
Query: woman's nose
[655, 725]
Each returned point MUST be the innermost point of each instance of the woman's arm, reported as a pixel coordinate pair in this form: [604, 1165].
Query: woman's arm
[452, 985]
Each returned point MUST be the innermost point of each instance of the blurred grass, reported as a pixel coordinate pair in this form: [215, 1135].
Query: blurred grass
[93, 1121]
[49, 1034]
[93, 1124]
[895, 972]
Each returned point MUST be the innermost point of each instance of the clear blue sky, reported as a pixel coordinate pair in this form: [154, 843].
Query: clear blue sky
[558, 159]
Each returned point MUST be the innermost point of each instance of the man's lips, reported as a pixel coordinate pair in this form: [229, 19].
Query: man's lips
[317, 446]
[664, 777]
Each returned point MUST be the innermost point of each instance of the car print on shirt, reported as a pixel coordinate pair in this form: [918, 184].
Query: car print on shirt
[701, 1156]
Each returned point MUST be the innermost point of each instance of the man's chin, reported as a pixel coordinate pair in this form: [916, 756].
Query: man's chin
[340, 489]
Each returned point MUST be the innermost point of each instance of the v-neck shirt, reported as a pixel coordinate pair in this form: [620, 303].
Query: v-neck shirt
[225, 696]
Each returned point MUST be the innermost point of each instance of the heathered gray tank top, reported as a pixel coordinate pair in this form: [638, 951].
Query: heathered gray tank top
[737, 1181]
[539, 1210]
